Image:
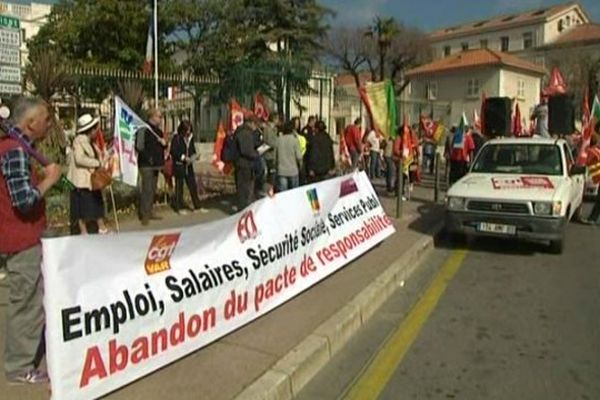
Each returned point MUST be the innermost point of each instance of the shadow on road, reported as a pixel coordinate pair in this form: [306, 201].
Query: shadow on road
[491, 245]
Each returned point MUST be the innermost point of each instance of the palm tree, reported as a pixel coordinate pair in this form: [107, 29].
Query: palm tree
[46, 74]
[383, 30]
[132, 93]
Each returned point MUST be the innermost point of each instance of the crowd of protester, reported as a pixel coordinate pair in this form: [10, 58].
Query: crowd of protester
[272, 156]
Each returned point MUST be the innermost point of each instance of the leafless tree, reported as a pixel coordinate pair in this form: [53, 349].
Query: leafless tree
[386, 49]
[347, 48]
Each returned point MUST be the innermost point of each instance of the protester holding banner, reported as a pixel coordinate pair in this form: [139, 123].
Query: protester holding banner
[289, 159]
[183, 154]
[86, 204]
[320, 161]
[150, 145]
[23, 216]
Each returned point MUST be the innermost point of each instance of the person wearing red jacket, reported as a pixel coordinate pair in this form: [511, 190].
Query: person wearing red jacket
[353, 139]
[23, 221]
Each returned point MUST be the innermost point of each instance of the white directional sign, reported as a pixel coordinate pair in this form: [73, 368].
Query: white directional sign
[10, 55]
[10, 88]
[10, 74]
[10, 37]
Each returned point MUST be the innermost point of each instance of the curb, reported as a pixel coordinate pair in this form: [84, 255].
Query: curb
[285, 379]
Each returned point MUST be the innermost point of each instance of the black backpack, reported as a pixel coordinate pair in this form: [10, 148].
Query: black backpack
[230, 152]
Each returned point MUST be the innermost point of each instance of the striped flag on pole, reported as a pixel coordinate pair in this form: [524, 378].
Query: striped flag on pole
[149, 59]
[380, 100]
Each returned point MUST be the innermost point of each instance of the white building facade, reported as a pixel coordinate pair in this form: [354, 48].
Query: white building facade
[521, 34]
[462, 79]
[33, 16]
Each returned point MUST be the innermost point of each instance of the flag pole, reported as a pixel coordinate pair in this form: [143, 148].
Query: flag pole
[155, 13]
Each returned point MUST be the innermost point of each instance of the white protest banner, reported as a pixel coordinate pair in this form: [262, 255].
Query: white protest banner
[126, 124]
[119, 307]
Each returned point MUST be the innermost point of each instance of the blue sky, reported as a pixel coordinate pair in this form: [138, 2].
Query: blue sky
[431, 14]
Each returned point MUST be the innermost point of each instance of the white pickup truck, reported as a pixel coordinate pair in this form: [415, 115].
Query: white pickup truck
[525, 188]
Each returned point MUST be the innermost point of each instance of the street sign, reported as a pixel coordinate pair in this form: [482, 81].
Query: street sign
[10, 88]
[10, 37]
[10, 55]
[10, 22]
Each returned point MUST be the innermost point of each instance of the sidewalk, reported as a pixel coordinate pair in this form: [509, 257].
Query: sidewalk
[276, 354]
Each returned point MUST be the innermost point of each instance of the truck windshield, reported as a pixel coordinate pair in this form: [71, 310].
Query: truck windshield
[519, 158]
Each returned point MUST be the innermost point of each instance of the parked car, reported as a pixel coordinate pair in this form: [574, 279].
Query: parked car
[525, 188]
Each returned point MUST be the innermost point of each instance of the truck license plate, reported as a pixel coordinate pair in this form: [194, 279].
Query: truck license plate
[497, 228]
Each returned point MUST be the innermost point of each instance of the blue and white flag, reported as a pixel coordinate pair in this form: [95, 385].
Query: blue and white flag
[126, 124]
[458, 141]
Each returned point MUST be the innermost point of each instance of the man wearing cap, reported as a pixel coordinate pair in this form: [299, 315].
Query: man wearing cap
[244, 165]
[23, 221]
[150, 145]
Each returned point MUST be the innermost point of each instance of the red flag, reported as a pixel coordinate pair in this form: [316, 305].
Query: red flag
[149, 59]
[100, 142]
[407, 145]
[556, 85]
[236, 115]
[260, 107]
[532, 124]
[344, 153]
[482, 114]
[217, 162]
[517, 124]
[476, 120]
[586, 135]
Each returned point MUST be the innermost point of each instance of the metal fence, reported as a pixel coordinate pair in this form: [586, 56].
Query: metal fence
[202, 100]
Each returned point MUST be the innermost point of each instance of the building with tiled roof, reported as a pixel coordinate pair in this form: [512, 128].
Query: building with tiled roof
[519, 33]
[506, 55]
[476, 58]
[461, 79]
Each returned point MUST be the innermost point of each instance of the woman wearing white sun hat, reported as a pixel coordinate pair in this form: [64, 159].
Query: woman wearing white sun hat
[86, 204]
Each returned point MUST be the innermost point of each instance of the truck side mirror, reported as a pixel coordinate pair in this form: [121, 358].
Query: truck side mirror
[577, 170]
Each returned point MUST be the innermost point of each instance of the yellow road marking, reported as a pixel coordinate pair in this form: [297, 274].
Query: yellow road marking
[372, 381]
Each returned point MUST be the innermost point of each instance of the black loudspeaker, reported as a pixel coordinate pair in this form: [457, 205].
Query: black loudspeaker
[561, 115]
[497, 113]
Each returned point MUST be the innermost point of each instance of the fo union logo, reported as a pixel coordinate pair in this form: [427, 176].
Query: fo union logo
[160, 252]
[246, 227]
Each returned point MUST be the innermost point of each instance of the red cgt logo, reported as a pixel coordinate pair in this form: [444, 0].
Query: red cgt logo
[160, 252]
[246, 227]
